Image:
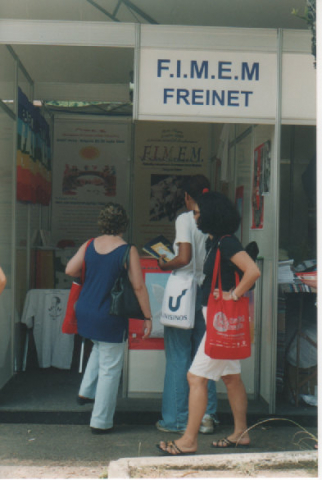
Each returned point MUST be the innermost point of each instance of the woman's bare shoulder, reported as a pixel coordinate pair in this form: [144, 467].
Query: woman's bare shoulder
[104, 244]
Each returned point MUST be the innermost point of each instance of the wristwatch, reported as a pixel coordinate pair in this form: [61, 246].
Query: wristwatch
[234, 296]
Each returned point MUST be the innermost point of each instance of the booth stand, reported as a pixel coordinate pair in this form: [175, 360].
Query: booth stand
[145, 364]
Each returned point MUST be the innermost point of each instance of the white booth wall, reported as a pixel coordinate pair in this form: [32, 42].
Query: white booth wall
[19, 219]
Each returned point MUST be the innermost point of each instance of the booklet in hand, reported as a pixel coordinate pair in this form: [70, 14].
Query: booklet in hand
[159, 246]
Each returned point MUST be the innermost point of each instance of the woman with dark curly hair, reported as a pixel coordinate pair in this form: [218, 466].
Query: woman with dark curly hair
[103, 262]
[218, 217]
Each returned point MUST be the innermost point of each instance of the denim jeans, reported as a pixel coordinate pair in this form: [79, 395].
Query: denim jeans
[101, 381]
[180, 349]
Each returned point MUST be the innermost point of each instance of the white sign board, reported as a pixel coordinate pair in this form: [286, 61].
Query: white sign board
[192, 85]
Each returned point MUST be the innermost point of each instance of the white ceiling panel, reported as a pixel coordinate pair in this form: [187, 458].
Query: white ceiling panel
[50, 63]
[225, 13]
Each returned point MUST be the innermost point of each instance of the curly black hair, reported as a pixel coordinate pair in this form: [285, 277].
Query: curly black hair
[113, 219]
[218, 215]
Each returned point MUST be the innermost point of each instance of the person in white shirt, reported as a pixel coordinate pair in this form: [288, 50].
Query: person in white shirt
[181, 345]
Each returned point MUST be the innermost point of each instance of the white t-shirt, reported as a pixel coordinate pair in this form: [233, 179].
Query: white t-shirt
[187, 232]
[44, 311]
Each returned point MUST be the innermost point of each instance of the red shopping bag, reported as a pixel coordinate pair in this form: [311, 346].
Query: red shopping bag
[70, 321]
[228, 333]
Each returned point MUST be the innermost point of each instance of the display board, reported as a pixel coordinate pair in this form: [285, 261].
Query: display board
[90, 169]
[165, 155]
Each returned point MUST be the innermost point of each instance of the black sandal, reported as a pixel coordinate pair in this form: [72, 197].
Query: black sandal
[225, 443]
[174, 446]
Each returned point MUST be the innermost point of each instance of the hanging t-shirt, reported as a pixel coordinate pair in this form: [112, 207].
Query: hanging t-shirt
[44, 312]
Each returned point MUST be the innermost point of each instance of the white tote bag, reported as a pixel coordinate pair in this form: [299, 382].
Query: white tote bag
[179, 301]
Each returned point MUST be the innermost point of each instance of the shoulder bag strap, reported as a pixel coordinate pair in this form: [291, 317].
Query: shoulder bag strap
[217, 274]
[126, 257]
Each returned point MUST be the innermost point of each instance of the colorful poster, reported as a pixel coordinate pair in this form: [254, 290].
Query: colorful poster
[261, 183]
[33, 154]
[166, 154]
[91, 168]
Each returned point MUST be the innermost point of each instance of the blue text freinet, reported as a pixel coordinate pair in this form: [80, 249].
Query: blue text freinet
[214, 72]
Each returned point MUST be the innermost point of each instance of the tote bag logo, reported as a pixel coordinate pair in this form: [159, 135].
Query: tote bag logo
[222, 324]
[175, 308]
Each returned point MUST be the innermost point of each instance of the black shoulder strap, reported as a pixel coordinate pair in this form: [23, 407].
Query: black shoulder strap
[126, 256]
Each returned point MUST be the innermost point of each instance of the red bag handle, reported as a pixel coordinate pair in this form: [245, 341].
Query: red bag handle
[217, 273]
[83, 264]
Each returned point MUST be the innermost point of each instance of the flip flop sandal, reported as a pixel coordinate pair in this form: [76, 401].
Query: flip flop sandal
[225, 443]
[174, 446]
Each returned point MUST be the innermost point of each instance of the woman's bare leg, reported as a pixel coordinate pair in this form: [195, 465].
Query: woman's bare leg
[238, 403]
[198, 398]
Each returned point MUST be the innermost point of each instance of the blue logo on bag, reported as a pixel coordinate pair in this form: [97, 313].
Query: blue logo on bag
[177, 305]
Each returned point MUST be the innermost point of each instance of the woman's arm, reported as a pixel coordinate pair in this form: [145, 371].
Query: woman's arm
[140, 290]
[3, 280]
[181, 260]
[74, 266]
[251, 273]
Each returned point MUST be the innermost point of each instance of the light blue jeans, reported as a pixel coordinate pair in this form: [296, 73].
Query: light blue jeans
[180, 349]
[101, 381]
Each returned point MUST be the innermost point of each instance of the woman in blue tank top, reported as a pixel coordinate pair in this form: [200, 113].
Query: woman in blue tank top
[103, 263]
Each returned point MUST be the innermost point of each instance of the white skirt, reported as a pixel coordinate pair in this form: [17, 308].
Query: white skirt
[213, 369]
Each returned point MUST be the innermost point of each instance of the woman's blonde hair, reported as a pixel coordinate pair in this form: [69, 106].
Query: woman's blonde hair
[113, 219]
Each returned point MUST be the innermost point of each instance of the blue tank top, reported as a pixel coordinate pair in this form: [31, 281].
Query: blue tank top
[92, 308]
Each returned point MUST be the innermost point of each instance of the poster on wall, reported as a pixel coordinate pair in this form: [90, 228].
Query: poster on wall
[90, 169]
[261, 182]
[166, 154]
[33, 154]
